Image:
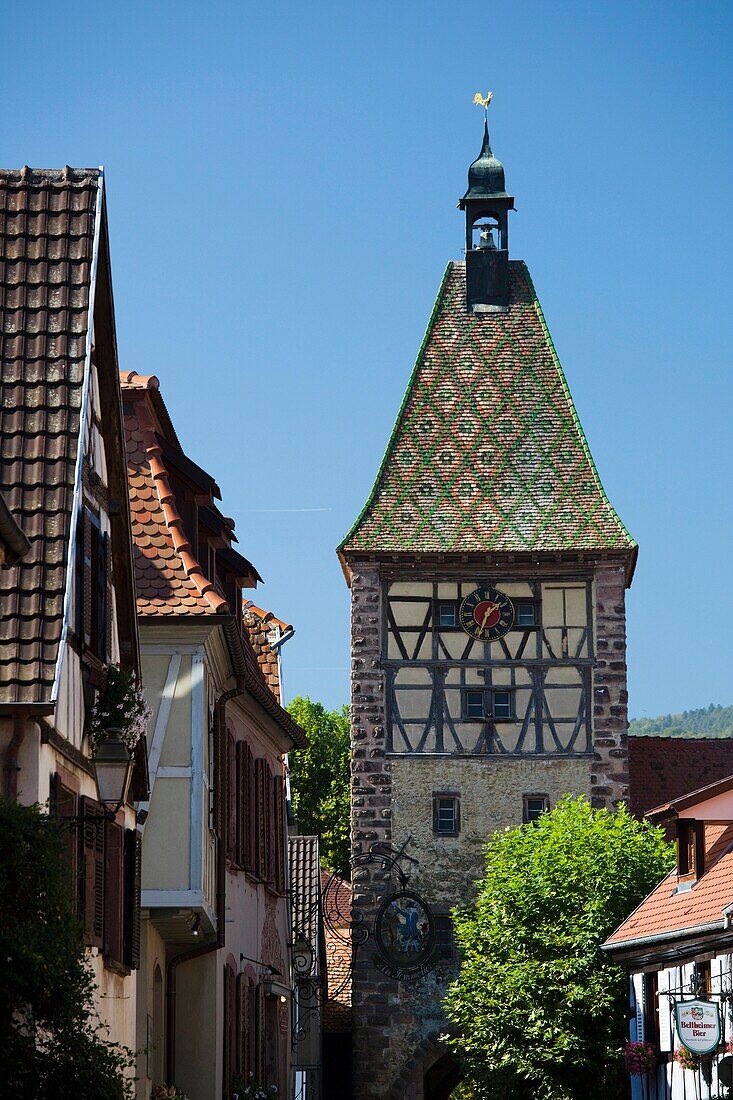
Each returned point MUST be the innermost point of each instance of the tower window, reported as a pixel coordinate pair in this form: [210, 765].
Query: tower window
[444, 941]
[446, 814]
[526, 614]
[496, 703]
[534, 806]
[475, 705]
[447, 615]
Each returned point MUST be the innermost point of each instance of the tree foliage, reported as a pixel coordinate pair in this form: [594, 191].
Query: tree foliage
[710, 721]
[319, 778]
[538, 1008]
[51, 1041]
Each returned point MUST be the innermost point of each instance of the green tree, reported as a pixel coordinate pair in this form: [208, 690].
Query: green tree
[319, 778]
[51, 1041]
[538, 1009]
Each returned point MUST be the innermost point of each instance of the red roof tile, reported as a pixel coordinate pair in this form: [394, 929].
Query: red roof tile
[336, 894]
[259, 625]
[662, 769]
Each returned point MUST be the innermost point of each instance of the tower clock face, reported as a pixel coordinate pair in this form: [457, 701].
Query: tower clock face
[487, 614]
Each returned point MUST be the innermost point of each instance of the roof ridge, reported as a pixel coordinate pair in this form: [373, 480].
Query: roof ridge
[408, 390]
[173, 518]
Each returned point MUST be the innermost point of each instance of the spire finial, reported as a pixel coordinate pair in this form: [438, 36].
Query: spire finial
[484, 101]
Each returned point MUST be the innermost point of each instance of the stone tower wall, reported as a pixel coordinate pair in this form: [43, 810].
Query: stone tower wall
[395, 1024]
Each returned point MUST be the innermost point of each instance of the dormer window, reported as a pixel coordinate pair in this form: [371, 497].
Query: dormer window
[690, 849]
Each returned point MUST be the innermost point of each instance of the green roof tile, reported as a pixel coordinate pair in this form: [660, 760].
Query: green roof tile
[487, 453]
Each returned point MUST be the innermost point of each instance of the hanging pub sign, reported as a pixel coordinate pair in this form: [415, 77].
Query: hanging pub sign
[404, 933]
[698, 1025]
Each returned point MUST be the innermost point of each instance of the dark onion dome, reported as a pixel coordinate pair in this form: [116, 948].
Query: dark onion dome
[486, 174]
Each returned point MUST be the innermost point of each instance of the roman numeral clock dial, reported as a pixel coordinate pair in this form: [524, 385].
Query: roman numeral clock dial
[487, 614]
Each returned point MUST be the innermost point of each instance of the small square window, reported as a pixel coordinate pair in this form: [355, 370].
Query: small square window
[444, 941]
[475, 705]
[447, 614]
[502, 704]
[446, 814]
[526, 614]
[534, 806]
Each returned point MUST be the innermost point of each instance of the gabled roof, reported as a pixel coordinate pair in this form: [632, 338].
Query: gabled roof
[53, 251]
[691, 799]
[487, 454]
[666, 913]
[170, 579]
[259, 625]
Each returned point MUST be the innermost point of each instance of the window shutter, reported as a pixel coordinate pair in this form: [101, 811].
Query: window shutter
[230, 1012]
[100, 595]
[261, 826]
[261, 1031]
[241, 1028]
[699, 849]
[665, 1012]
[231, 789]
[113, 891]
[279, 800]
[79, 580]
[108, 600]
[241, 804]
[92, 871]
[637, 982]
[63, 806]
[87, 580]
[270, 808]
[133, 876]
[435, 813]
[251, 852]
[251, 1053]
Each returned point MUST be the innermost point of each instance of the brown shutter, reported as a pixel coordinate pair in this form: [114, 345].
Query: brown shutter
[133, 876]
[63, 806]
[241, 1026]
[261, 825]
[279, 800]
[261, 1031]
[100, 632]
[230, 1014]
[251, 1061]
[699, 848]
[114, 891]
[241, 807]
[92, 871]
[251, 851]
[271, 841]
[231, 838]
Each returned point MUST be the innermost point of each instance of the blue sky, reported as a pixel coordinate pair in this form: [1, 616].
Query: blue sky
[282, 181]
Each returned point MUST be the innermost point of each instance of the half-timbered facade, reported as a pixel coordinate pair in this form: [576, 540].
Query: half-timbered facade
[67, 608]
[487, 572]
[214, 1000]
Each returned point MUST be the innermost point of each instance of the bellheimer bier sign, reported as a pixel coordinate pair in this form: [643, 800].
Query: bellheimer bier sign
[698, 1025]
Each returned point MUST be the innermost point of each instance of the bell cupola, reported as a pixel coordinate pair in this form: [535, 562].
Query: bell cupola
[487, 205]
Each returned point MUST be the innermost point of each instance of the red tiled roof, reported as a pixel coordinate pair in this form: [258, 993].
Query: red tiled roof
[258, 624]
[47, 242]
[662, 769]
[169, 579]
[336, 893]
[664, 911]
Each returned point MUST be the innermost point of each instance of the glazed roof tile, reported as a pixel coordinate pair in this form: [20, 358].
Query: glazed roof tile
[47, 241]
[487, 453]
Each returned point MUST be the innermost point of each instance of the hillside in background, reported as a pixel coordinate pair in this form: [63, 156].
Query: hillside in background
[712, 721]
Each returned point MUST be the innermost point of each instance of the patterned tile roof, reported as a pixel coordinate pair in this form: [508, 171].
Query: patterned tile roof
[47, 244]
[487, 453]
[305, 886]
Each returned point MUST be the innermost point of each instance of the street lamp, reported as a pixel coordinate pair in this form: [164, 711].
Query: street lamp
[113, 765]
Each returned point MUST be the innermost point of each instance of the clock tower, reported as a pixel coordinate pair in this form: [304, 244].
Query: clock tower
[488, 571]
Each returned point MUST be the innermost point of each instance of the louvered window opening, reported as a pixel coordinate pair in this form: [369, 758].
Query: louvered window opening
[105, 864]
[93, 621]
[255, 829]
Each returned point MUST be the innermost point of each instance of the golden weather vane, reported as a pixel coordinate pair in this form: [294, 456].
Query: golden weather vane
[483, 101]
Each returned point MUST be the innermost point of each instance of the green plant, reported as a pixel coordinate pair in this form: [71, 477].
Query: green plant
[52, 1042]
[688, 1059]
[251, 1090]
[538, 1009]
[319, 779]
[120, 705]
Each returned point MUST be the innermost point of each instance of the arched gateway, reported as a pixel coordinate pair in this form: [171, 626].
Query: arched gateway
[487, 573]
